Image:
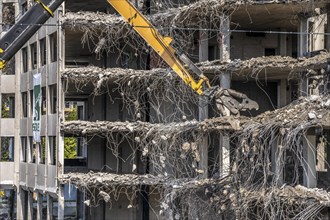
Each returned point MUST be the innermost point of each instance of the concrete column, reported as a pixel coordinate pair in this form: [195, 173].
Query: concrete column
[203, 46]
[328, 28]
[20, 203]
[60, 116]
[320, 152]
[60, 203]
[303, 36]
[327, 136]
[303, 86]
[277, 163]
[225, 39]
[203, 110]
[282, 98]
[49, 207]
[225, 83]
[283, 43]
[39, 206]
[319, 28]
[309, 160]
[224, 155]
[30, 206]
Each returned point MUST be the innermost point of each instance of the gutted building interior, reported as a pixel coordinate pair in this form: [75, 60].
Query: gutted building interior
[123, 137]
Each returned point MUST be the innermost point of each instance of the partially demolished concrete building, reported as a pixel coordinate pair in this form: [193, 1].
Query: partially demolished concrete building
[123, 138]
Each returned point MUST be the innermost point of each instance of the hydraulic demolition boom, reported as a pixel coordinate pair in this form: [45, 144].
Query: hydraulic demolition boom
[40, 12]
[224, 98]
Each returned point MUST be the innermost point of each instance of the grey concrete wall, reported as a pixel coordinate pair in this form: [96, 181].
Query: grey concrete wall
[244, 47]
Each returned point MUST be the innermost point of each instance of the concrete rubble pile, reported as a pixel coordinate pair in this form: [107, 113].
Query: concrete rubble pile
[313, 110]
[94, 73]
[99, 179]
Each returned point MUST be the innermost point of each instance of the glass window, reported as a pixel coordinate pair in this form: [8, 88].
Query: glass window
[8, 106]
[43, 57]
[25, 59]
[53, 47]
[7, 149]
[24, 104]
[24, 149]
[53, 98]
[33, 49]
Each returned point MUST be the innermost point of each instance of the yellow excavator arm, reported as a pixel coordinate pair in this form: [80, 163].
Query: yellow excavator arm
[159, 43]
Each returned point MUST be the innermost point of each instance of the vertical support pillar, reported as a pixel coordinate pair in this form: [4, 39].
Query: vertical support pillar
[303, 36]
[225, 38]
[49, 207]
[203, 111]
[282, 93]
[21, 204]
[309, 160]
[39, 206]
[60, 116]
[225, 83]
[60, 202]
[277, 163]
[327, 136]
[203, 46]
[328, 28]
[30, 206]
[283, 43]
[319, 28]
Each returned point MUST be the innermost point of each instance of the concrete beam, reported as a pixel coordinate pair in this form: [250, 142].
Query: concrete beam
[309, 161]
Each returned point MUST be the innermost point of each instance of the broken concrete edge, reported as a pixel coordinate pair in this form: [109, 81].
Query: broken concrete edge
[103, 180]
[291, 65]
[179, 16]
[313, 111]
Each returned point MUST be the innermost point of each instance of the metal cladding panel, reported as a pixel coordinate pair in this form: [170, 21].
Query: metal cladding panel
[52, 73]
[31, 173]
[22, 174]
[51, 178]
[8, 84]
[24, 82]
[52, 125]
[7, 173]
[41, 173]
[43, 125]
[7, 127]
[24, 128]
